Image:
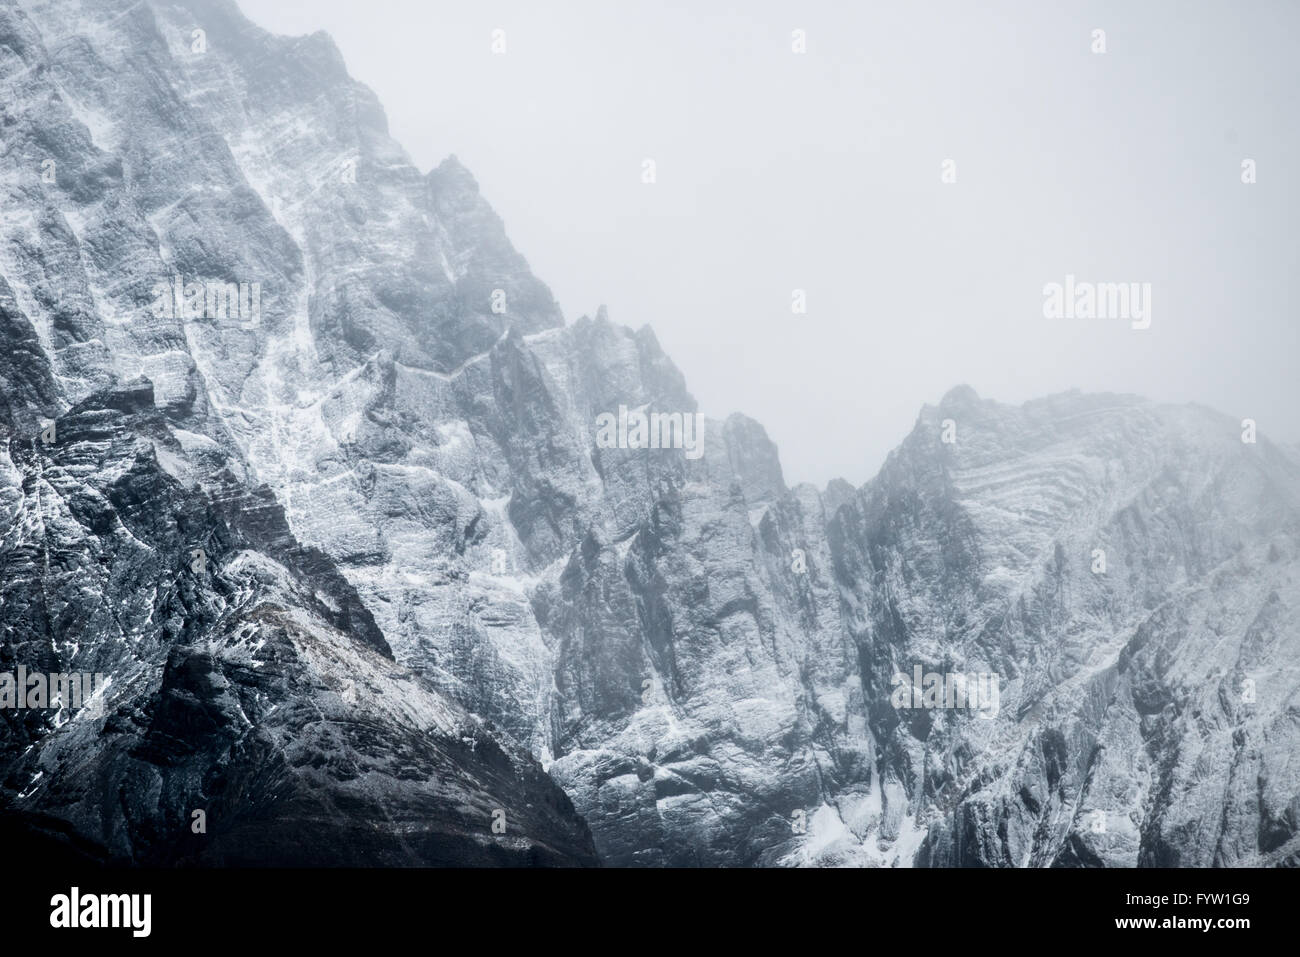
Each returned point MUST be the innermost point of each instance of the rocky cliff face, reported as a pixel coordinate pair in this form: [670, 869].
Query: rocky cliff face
[425, 577]
[1129, 570]
[250, 682]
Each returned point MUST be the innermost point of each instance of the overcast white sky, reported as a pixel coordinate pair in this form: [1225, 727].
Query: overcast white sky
[821, 172]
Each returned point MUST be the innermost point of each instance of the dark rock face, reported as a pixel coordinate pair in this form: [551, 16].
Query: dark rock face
[251, 684]
[424, 577]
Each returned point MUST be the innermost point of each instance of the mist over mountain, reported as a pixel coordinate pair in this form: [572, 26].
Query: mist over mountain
[299, 454]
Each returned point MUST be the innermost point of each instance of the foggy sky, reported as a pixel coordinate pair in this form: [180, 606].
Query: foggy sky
[821, 172]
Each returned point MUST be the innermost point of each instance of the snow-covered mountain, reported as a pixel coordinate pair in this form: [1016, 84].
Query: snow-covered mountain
[425, 579]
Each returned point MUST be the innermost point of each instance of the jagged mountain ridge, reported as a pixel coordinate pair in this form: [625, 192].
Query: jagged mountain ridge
[630, 617]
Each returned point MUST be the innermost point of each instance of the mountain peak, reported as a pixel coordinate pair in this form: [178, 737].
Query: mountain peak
[451, 172]
[959, 396]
